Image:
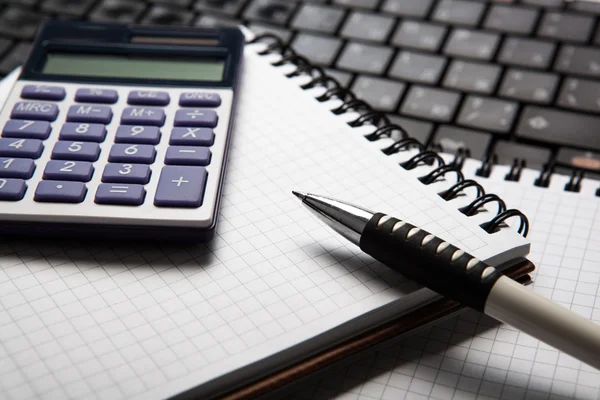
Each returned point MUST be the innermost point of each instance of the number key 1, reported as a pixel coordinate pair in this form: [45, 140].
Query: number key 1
[16, 168]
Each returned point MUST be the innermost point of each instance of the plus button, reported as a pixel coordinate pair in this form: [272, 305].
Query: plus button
[179, 181]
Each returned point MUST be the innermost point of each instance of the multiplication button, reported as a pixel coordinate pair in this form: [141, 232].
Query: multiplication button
[21, 128]
[181, 187]
[60, 192]
[192, 137]
[12, 189]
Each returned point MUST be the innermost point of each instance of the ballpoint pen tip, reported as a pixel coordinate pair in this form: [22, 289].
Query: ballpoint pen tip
[299, 195]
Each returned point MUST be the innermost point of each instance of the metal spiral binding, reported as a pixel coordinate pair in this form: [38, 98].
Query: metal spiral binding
[385, 129]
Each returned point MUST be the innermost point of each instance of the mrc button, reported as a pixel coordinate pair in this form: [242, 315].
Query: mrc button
[199, 99]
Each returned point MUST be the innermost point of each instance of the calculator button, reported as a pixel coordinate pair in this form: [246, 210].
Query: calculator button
[129, 195]
[16, 168]
[20, 128]
[42, 92]
[12, 189]
[143, 116]
[196, 117]
[21, 148]
[148, 98]
[132, 153]
[187, 155]
[126, 173]
[34, 110]
[192, 136]
[180, 187]
[82, 131]
[69, 171]
[60, 192]
[78, 151]
[199, 99]
[87, 113]
[106, 96]
[137, 134]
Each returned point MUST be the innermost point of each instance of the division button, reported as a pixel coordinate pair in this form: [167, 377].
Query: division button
[181, 187]
[126, 173]
[199, 99]
[106, 96]
[78, 151]
[20, 128]
[42, 92]
[21, 148]
[83, 131]
[137, 134]
[87, 113]
[60, 192]
[192, 137]
[34, 110]
[12, 189]
[132, 153]
[143, 116]
[120, 194]
[80, 171]
[21, 168]
[187, 155]
[196, 117]
[148, 98]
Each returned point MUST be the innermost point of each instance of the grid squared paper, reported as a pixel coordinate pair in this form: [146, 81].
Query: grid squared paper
[472, 356]
[117, 320]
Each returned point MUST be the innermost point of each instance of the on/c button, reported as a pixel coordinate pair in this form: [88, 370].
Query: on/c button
[199, 99]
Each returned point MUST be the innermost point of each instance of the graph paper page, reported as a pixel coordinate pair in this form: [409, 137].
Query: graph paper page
[114, 321]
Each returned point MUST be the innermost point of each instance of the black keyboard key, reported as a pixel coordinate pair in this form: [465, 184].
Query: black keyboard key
[545, 3]
[416, 129]
[526, 52]
[472, 77]
[407, 8]
[318, 49]
[71, 8]
[529, 86]
[488, 114]
[430, 104]
[362, 57]
[511, 19]
[318, 17]
[216, 21]
[590, 7]
[342, 77]
[370, 4]
[227, 7]
[15, 57]
[559, 127]
[450, 139]
[259, 29]
[381, 94]
[458, 12]
[367, 26]
[166, 15]
[419, 35]
[277, 12]
[418, 67]
[472, 44]
[579, 61]
[580, 94]
[124, 11]
[565, 26]
[19, 23]
[535, 157]
[578, 159]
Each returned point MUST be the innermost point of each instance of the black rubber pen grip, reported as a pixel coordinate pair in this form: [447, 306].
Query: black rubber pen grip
[461, 279]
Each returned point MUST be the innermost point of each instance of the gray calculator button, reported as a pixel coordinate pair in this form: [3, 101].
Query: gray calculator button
[137, 134]
[181, 187]
[132, 153]
[21, 128]
[192, 137]
[89, 113]
[187, 155]
[143, 116]
[106, 96]
[120, 194]
[21, 168]
[83, 131]
[43, 92]
[34, 110]
[12, 189]
[78, 151]
[196, 117]
[21, 148]
[126, 173]
[69, 171]
[60, 192]
[148, 98]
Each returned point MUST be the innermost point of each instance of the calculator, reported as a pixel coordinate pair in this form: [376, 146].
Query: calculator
[119, 131]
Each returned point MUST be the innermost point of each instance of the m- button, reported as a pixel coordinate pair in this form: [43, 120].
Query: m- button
[199, 99]
[181, 187]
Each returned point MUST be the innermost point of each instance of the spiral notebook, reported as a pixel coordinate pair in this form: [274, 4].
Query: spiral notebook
[274, 289]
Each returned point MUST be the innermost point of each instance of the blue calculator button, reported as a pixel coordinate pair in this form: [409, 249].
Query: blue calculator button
[21, 128]
[192, 137]
[34, 110]
[60, 192]
[138, 134]
[187, 155]
[199, 99]
[196, 117]
[106, 96]
[78, 151]
[43, 92]
[132, 153]
[69, 171]
[83, 131]
[181, 187]
[21, 168]
[120, 194]
[21, 148]
[89, 113]
[12, 189]
[148, 98]
[143, 116]
[126, 173]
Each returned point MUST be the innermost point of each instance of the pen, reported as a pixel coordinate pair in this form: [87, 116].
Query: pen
[451, 272]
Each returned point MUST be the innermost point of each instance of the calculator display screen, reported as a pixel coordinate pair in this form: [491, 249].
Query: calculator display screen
[113, 66]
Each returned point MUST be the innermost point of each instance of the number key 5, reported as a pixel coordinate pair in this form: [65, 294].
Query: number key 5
[78, 151]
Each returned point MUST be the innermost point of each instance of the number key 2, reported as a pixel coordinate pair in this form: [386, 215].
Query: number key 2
[69, 171]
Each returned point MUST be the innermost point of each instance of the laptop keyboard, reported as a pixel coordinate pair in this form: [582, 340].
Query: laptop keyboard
[517, 78]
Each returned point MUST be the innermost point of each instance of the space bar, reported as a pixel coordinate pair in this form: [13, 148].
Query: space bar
[560, 127]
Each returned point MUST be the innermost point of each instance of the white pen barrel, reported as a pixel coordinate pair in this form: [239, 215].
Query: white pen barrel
[545, 320]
